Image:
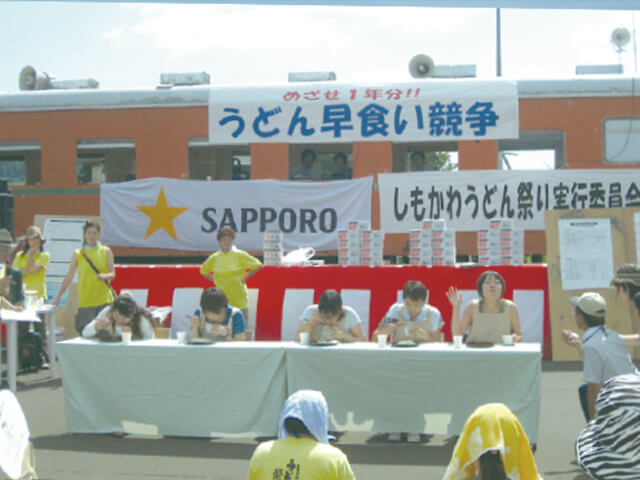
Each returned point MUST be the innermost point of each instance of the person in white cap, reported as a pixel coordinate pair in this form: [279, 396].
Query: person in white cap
[604, 354]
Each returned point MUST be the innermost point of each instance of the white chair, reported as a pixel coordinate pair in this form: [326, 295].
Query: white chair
[251, 322]
[185, 302]
[530, 305]
[360, 301]
[294, 303]
[140, 295]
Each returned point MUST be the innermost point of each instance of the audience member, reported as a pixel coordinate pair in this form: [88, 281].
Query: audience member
[343, 171]
[32, 261]
[418, 162]
[608, 448]
[308, 169]
[11, 295]
[217, 320]
[94, 263]
[229, 269]
[123, 315]
[493, 446]
[488, 317]
[627, 285]
[302, 449]
[604, 354]
[330, 320]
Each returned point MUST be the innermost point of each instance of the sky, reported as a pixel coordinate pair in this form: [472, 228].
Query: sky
[126, 46]
[130, 45]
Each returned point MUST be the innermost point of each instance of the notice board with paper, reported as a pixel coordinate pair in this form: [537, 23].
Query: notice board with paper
[584, 249]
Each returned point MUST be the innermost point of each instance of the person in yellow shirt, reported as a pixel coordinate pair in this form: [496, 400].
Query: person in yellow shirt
[94, 292]
[302, 449]
[229, 268]
[33, 261]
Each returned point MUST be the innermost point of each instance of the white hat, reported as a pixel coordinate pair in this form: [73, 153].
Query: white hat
[590, 303]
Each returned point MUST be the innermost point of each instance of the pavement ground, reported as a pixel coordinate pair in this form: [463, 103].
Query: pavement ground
[65, 456]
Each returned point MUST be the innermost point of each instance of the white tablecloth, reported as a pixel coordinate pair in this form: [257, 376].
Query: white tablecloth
[428, 389]
[160, 387]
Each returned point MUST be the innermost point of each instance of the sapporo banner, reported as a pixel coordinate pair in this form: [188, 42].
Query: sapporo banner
[433, 110]
[186, 214]
[468, 200]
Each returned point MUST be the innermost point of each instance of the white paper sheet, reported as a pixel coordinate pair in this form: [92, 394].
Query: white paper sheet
[586, 253]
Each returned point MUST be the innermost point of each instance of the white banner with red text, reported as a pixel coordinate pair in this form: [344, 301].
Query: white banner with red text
[469, 200]
[329, 112]
[186, 214]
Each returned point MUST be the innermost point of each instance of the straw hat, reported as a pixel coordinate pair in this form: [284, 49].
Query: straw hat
[34, 231]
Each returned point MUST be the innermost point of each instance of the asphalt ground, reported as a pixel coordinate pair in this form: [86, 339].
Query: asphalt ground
[61, 455]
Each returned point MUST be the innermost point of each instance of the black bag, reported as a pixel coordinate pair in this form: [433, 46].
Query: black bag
[30, 352]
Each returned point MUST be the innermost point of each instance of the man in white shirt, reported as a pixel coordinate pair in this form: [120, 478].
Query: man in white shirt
[604, 354]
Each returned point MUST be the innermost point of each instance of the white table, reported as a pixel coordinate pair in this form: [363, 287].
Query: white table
[158, 387]
[428, 389]
[237, 388]
[10, 318]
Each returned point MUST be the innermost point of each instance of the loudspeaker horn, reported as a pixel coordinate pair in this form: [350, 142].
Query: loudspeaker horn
[30, 79]
[421, 66]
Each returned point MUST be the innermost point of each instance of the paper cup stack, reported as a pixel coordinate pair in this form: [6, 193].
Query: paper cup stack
[359, 245]
[433, 244]
[273, 249]
[501, 243]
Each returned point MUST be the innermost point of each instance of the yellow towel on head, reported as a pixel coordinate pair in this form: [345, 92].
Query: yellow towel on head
[493, 427]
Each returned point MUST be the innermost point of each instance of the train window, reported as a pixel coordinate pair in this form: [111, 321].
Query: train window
[320, 162]
[214, 162]
[621, 142]
[424, 157]
[105, 161]
[533, 150]
[21, 163]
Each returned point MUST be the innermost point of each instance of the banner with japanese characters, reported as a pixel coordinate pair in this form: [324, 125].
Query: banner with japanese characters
[468, 200]
[187, 214]
[432, 110]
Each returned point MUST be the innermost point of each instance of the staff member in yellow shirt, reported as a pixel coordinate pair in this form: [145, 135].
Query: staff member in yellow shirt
[229, 268]
[94, 292]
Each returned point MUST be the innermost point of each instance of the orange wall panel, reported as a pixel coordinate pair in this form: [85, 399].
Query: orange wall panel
[270, 160]
[476, 155]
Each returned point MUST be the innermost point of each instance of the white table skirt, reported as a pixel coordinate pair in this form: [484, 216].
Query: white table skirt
[238, 388]
[429, 389]
[158, 387]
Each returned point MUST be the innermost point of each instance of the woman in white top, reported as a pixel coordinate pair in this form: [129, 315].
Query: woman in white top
[340, 321]
[122, 315]
[490, 286]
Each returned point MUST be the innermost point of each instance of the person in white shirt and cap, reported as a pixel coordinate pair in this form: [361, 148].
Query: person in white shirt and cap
[302, 450]
[604, 354]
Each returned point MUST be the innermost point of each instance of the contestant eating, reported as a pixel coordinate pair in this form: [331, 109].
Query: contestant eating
[217, 320]
[124, 315]
[330, 321]
[488, 317]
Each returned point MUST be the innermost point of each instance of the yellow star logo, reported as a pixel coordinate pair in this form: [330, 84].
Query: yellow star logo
[161, 215]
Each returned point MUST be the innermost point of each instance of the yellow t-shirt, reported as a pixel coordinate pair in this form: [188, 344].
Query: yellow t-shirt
[228, 269]
[91, 291]
[33, 281]
[302, 458]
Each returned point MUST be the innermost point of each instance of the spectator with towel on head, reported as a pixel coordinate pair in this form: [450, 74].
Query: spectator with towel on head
[493, 446]
[302, 449]
[10, 280]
